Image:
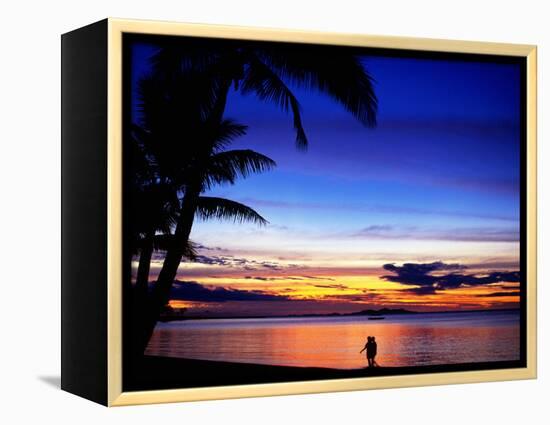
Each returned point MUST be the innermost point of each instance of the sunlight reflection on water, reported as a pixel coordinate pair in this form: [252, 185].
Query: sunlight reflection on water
[408, 340]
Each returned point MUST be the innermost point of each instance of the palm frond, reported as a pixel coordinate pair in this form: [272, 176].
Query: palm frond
[181, 101]
[335, 72]
[167, 242]
[226, 132]
[181, 58]
[155, 208]
[142, 163]
[227, 166]
[224, 209]
[267, 85]
[172, 119]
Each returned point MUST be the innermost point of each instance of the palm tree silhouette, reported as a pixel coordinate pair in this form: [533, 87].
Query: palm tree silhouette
[154, 209]
[190, 91]
[267, 69]
[194, 165]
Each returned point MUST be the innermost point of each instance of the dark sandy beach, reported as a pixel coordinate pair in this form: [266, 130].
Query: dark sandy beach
[166, 372]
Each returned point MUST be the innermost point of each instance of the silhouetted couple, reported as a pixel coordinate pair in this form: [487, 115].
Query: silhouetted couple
[370, 347]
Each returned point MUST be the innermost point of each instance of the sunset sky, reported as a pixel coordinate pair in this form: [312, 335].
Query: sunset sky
[421, 212]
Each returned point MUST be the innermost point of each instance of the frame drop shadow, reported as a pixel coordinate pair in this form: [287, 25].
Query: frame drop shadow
[53, 381]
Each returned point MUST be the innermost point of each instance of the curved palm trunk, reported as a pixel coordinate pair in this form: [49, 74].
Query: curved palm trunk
[144, 267]
[160, 294]
[161, 290]
[140, 294]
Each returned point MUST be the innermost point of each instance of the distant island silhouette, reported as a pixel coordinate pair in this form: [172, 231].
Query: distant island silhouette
[382, 312]
[174, 316]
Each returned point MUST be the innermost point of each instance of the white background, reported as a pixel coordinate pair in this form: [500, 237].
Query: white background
[30, 211]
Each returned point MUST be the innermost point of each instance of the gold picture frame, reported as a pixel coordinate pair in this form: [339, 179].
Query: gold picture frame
[115, 30]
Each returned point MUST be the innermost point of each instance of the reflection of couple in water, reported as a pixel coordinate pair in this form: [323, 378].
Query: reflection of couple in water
[370, 347]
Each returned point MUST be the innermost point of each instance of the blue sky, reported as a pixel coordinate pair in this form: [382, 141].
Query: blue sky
[436, 180]
[447, 141]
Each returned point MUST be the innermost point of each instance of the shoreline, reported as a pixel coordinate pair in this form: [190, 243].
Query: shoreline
[329, 315]
[156, 372]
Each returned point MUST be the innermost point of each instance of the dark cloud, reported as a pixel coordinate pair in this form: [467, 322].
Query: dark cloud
[213, 260]
[156, 257]
[366, 296]
[318, 278]
[246, 264]
[209, 248]
[500, 294]
[193, 291]
[272, 266]
[506, 287]
[332, 286]
[269, 279]
[420, 275]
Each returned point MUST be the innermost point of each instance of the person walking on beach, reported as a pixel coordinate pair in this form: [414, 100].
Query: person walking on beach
[371, 348]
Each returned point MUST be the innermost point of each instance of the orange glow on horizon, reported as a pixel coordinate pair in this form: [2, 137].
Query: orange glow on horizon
[366, 292]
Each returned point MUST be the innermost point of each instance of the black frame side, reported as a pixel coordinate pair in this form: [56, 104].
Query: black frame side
[84, 212]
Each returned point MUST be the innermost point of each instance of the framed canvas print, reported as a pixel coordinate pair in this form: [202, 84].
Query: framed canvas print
[250, 212]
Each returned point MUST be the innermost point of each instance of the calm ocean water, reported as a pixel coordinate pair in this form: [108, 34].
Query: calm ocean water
[406, 340]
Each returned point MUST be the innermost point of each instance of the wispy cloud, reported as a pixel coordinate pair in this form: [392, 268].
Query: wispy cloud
[318, 278]
[337, 286]
[209, 248]
[364, 297]
[243, 263]
[384, 209]
[500, 294]
[271, 279]
[470, 234]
